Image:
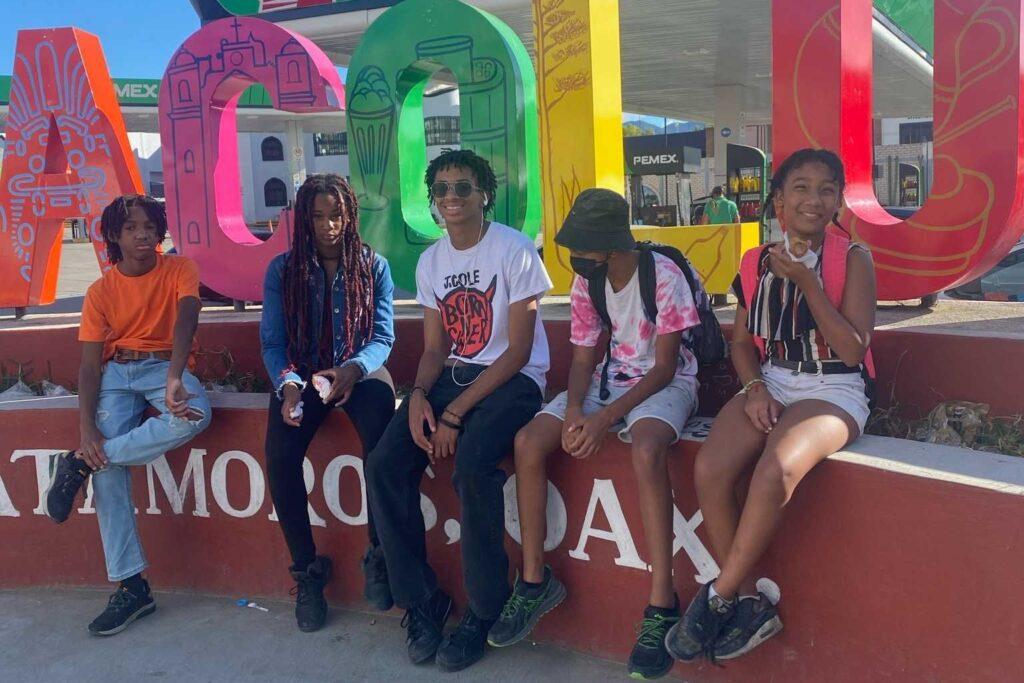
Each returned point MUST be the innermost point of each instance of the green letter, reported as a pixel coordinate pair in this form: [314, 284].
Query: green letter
[389, 71]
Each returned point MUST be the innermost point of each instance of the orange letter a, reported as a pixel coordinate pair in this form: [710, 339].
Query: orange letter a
[67, 156]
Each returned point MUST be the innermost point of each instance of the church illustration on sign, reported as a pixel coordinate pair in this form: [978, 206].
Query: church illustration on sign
[189, 77]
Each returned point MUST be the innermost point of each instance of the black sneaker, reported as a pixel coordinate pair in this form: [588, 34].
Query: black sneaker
[67, 476]
[524, 609]
[754, 621]
[425, 623]
[310, 606]
[376, 590]
[123, 608]
[695, 633]
[649, 658]
[466, 645]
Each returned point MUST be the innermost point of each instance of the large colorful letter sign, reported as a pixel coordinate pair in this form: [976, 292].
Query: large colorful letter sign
[580, 100]
[386, 80]
[67, 156]
[822, 98]
[198, 133]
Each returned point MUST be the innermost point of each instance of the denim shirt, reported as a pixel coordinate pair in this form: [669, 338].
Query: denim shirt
[368, 355]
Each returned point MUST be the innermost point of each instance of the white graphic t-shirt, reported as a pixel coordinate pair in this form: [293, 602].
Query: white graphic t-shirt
[473, 288]
[634, 337]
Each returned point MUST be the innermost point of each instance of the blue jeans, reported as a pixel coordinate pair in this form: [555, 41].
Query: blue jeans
[125, 391]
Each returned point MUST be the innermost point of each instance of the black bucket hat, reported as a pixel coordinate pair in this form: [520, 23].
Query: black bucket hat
[598, 221]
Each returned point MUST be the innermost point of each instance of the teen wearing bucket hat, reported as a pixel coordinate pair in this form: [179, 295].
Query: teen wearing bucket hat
[651, 392]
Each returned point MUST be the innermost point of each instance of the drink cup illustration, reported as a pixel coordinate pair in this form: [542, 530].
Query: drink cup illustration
[371, 121]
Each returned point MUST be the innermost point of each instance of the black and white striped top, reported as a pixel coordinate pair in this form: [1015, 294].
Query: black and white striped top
[778, 313]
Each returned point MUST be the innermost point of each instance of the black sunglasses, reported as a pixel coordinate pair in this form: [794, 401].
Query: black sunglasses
[463, 189]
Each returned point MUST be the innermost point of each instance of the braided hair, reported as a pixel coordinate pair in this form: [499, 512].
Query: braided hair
[355, 266]
[116, 213]
[465, 158]
[797, 159]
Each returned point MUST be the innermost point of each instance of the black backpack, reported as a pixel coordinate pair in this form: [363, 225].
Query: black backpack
[705, 340]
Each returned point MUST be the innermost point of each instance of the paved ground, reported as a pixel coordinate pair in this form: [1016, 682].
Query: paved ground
[194, 638]
[79, 270]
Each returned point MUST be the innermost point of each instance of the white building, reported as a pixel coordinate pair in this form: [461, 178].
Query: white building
[263, 157]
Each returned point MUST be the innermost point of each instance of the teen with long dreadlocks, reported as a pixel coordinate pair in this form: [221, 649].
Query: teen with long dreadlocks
[137, 329]
[800, 347]
[480, 379]
[327, 313]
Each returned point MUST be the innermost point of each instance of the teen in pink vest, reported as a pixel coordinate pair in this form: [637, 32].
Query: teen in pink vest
[800, 348]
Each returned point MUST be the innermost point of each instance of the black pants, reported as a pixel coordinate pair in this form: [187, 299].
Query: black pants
[393, 473]
[370, 407]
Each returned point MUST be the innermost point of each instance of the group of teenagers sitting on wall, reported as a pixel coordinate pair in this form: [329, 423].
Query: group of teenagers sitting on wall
[799, 347]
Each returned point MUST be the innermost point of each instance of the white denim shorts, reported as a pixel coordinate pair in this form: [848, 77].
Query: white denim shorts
[844, 391]
[673, 405]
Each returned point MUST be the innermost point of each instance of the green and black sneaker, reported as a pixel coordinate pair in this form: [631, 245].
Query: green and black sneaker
[524, 608]
[649, 658]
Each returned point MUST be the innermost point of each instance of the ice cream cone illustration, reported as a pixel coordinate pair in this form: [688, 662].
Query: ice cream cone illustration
[371, 117]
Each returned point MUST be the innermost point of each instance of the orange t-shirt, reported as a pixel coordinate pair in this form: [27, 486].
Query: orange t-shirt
[138, 313]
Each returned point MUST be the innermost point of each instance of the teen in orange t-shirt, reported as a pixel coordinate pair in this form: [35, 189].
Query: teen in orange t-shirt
[138, 328]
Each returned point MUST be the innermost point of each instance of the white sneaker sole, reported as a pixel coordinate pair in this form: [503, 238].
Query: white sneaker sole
[767, 630]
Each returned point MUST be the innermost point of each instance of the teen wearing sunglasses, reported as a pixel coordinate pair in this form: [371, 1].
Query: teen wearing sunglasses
[480, 379]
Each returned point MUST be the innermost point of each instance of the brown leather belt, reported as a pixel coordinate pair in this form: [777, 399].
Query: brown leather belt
[129, 355]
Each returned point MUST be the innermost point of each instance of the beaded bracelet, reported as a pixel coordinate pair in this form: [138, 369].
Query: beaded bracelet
[748, 385]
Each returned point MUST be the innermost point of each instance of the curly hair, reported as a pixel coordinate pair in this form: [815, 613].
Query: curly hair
[116, 213]
[468, 159]
[355, 266]
[798, 159]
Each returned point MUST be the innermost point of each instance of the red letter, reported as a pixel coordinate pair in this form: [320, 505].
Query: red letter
[822, 68]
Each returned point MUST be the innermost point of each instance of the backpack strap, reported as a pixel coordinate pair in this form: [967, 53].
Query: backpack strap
[834, 253]
[833, 266]
[595, 288]
[648, 282]
[749, 279]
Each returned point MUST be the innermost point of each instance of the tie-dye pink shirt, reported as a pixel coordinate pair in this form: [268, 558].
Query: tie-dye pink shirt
[633, 335]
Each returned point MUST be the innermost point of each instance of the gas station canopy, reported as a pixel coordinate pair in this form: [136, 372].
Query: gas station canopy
[676, 57]
[674, 54]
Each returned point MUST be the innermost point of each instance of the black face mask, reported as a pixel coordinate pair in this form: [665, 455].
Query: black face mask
[588, 268]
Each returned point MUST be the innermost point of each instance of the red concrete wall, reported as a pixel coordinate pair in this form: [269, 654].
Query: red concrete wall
[915, 369]
[884, 576]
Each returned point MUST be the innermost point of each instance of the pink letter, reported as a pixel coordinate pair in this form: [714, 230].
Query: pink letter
[199, 136]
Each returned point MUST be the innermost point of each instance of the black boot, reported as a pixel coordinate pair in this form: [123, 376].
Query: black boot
[310, 606]
[376, 590]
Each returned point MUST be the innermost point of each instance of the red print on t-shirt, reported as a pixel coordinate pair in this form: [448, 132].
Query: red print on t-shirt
[468, 317]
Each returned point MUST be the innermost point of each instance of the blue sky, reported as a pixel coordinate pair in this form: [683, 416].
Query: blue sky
[138, 36]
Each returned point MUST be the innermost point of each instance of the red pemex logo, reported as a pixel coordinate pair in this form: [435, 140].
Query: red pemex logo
[468, 317]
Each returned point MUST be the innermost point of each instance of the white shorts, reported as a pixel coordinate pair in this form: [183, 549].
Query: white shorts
[673, 405]
[844, 391]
